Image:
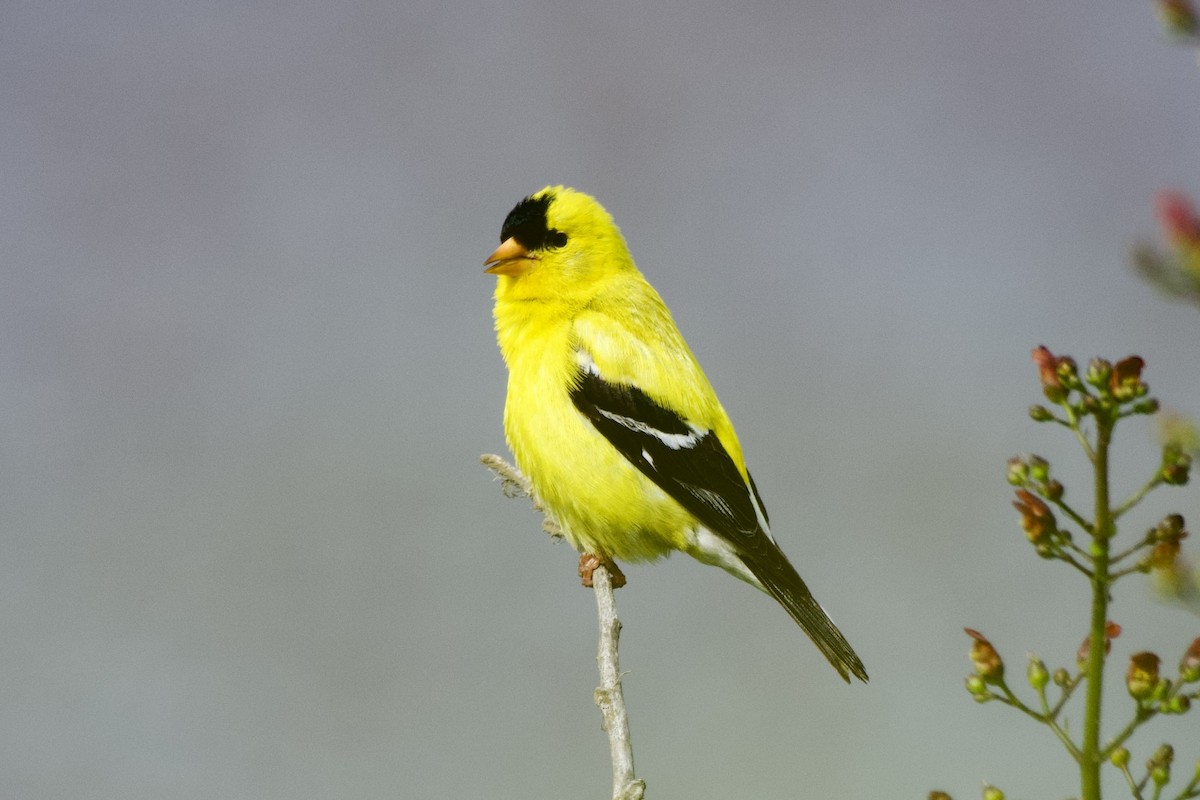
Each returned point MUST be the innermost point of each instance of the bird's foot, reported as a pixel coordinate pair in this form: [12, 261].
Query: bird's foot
[588, 563]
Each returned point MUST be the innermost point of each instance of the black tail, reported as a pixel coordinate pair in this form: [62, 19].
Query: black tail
[783, 583]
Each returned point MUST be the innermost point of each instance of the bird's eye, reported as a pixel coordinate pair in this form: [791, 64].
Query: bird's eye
[527, 224]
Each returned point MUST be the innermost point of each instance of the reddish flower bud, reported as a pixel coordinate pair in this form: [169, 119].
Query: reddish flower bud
[988, 664]
[1176, 217]
[1163, 556]
[1170, 529]
[1111, 631]
[1142, 676]
[1047, 364]
[1189, 665]
[1036, 518]
[1178, 18]
[1125, 382]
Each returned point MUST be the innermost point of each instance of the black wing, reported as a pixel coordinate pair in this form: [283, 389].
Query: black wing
[693, 467]
[689, 464]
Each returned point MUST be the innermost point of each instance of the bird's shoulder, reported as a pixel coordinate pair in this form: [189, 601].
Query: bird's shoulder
[628, 333]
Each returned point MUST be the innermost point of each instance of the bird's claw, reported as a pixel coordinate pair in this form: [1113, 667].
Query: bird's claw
[588, 562]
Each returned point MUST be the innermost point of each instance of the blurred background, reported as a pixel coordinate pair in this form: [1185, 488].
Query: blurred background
[247, 549]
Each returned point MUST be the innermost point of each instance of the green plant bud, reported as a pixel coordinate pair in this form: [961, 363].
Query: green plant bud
[1098, 372]
[1120, 758]
[1176, 474]
[1146, 407]
[992, 793]
[977, 688]
[1053, 490]
[936, 795]
[1061, 677]
[1037, 673]
[1039, 469]
[1018, 471]
[1040, 414]
[1179, 704]
[1189, 665]
[1175, 465]
[1068, 373]
[1162, 758]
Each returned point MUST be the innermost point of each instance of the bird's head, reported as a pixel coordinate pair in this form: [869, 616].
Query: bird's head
[560, 239]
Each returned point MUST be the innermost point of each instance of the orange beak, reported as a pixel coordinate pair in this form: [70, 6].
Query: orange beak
[510, 258]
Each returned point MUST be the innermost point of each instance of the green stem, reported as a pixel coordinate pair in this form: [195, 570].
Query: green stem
[1089, 763]
[1147, 541]
[1067, 691]
[1074, 515]
[1192, 789]
[1137, 496]
[1045, 717]
[1087, 573]
[1134, 788]
[1140, 716]
[1073, 424]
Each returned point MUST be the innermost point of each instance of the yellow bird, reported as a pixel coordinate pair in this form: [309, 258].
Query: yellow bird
[612, 420]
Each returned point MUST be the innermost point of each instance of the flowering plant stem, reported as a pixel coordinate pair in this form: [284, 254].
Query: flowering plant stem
[1090, 404]
[1090, 756]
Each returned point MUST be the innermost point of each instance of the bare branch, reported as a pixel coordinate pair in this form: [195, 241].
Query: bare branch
[609, 695]
[513, 483]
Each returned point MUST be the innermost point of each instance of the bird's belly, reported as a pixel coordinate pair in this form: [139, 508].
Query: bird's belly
[603, 503]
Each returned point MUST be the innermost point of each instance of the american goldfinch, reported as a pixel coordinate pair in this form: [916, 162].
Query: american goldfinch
[611, 418]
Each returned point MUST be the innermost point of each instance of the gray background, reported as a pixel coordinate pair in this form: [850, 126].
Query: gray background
[246, 549]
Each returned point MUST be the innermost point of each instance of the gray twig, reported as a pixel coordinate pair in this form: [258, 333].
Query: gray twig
[609, 696]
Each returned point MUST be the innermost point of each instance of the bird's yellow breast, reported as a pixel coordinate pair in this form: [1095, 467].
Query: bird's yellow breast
[603, 503]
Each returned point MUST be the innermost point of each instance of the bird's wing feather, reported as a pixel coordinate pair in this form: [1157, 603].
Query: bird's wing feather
[686, 461]
[690, 464]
